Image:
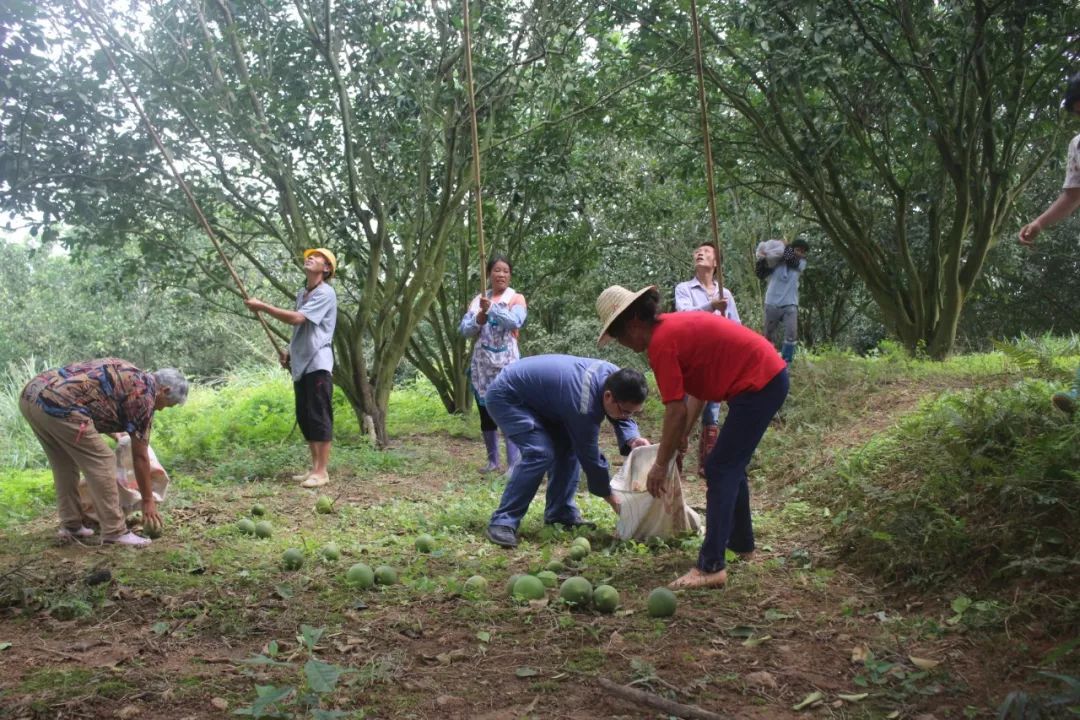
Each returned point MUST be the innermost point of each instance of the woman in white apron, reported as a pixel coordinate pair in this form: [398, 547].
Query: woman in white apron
[494, 320]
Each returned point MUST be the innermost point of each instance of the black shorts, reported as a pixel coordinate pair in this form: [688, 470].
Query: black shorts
[314, 406]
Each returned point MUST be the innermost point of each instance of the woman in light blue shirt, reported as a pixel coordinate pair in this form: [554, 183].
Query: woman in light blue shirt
[704, 294]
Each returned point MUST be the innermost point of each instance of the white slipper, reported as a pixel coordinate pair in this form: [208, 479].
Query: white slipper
[314, 481]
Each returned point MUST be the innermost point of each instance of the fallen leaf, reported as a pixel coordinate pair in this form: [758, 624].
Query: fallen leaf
[809, 701]
[923, 663]
[860, 654]
[772, 615]
[893, 715]
[754, 642]
[853, 698]
[761, 678]
[449, 700]
[4, 645]
[525, 671]
[483, 636]
[127, 712]
[220, 703]
[742, 631]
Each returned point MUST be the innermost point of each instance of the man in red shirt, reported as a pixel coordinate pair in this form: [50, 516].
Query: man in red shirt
[698, 358]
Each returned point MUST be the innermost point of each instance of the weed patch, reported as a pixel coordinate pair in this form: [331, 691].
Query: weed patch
[982, 484]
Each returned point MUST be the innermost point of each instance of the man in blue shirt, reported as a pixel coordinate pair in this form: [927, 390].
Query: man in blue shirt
[782, 294]
[551, 406]
[310, 357]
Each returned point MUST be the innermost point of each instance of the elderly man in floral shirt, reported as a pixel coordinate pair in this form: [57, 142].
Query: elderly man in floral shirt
[70, 408]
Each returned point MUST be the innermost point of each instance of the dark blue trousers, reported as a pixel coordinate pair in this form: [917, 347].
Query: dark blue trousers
[727, 509]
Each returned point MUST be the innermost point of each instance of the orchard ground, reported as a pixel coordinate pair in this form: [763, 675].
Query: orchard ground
[206, 622]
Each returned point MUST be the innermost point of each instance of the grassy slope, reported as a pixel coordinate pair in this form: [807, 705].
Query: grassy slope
[204, 596]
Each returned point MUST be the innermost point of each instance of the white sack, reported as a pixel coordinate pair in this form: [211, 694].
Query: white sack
[641, 516]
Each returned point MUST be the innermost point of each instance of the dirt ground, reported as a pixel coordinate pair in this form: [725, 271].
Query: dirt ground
[794, 635]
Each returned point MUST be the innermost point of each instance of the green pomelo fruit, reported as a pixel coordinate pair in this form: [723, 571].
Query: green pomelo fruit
[528, 587]
[264, 529]
[331, 551]
[258, 509]
[246, 526]
[476, 584]
[292, 559]
[661, 603]
[152, 529]
[605, 598]
[549, 578]
[583, 542]
[578, 552]
[510, 584]
[556, 566]
[324, 505]
[385, 575]
[425, 543]
[576, 591]
[360, 575]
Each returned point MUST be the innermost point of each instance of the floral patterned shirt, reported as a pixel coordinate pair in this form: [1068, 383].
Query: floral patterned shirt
[113, 393]
[1072, 164]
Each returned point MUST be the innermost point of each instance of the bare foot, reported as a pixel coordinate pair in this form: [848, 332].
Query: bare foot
[698, 579]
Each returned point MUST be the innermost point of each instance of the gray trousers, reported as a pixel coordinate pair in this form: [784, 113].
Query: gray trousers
[787, 314]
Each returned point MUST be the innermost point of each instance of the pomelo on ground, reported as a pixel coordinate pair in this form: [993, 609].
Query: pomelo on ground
[331, 551]
[425, 543]
[584, 542]
[385, 575]
[661, 603]
[360, 575]
[605, 598]
[324, 505]
[152, 529]
[264, 529]
[476, 584]
[556, 566]
[549, 578]
[258, 509]
[528, 587]
[246, 526]
[578, 552]
[576, 591]
[510, 584]
[292, 559]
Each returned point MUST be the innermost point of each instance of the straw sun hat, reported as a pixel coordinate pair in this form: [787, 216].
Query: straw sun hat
[611, 303]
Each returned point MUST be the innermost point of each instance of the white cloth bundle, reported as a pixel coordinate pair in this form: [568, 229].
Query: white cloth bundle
[772, 251]
[641, 516]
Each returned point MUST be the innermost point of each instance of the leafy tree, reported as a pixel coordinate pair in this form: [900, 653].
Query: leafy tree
[909, 129]
[297, 124]
[62, 308]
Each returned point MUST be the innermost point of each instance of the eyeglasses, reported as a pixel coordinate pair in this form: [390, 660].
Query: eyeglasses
[627, 414]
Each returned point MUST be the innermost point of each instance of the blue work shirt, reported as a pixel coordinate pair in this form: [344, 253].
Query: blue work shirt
[312, 344]
[568, 391]
[783, 286]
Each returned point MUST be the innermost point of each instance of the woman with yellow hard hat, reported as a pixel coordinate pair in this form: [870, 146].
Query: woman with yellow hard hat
[310, 357]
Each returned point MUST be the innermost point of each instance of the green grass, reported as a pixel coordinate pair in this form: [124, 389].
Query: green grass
[983, 483]
[24, 494]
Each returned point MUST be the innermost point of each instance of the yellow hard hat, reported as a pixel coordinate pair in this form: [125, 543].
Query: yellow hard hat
[326, 254]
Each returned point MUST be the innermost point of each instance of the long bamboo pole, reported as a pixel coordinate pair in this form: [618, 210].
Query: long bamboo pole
[699, 66]
[475, 150]
[175, 172]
